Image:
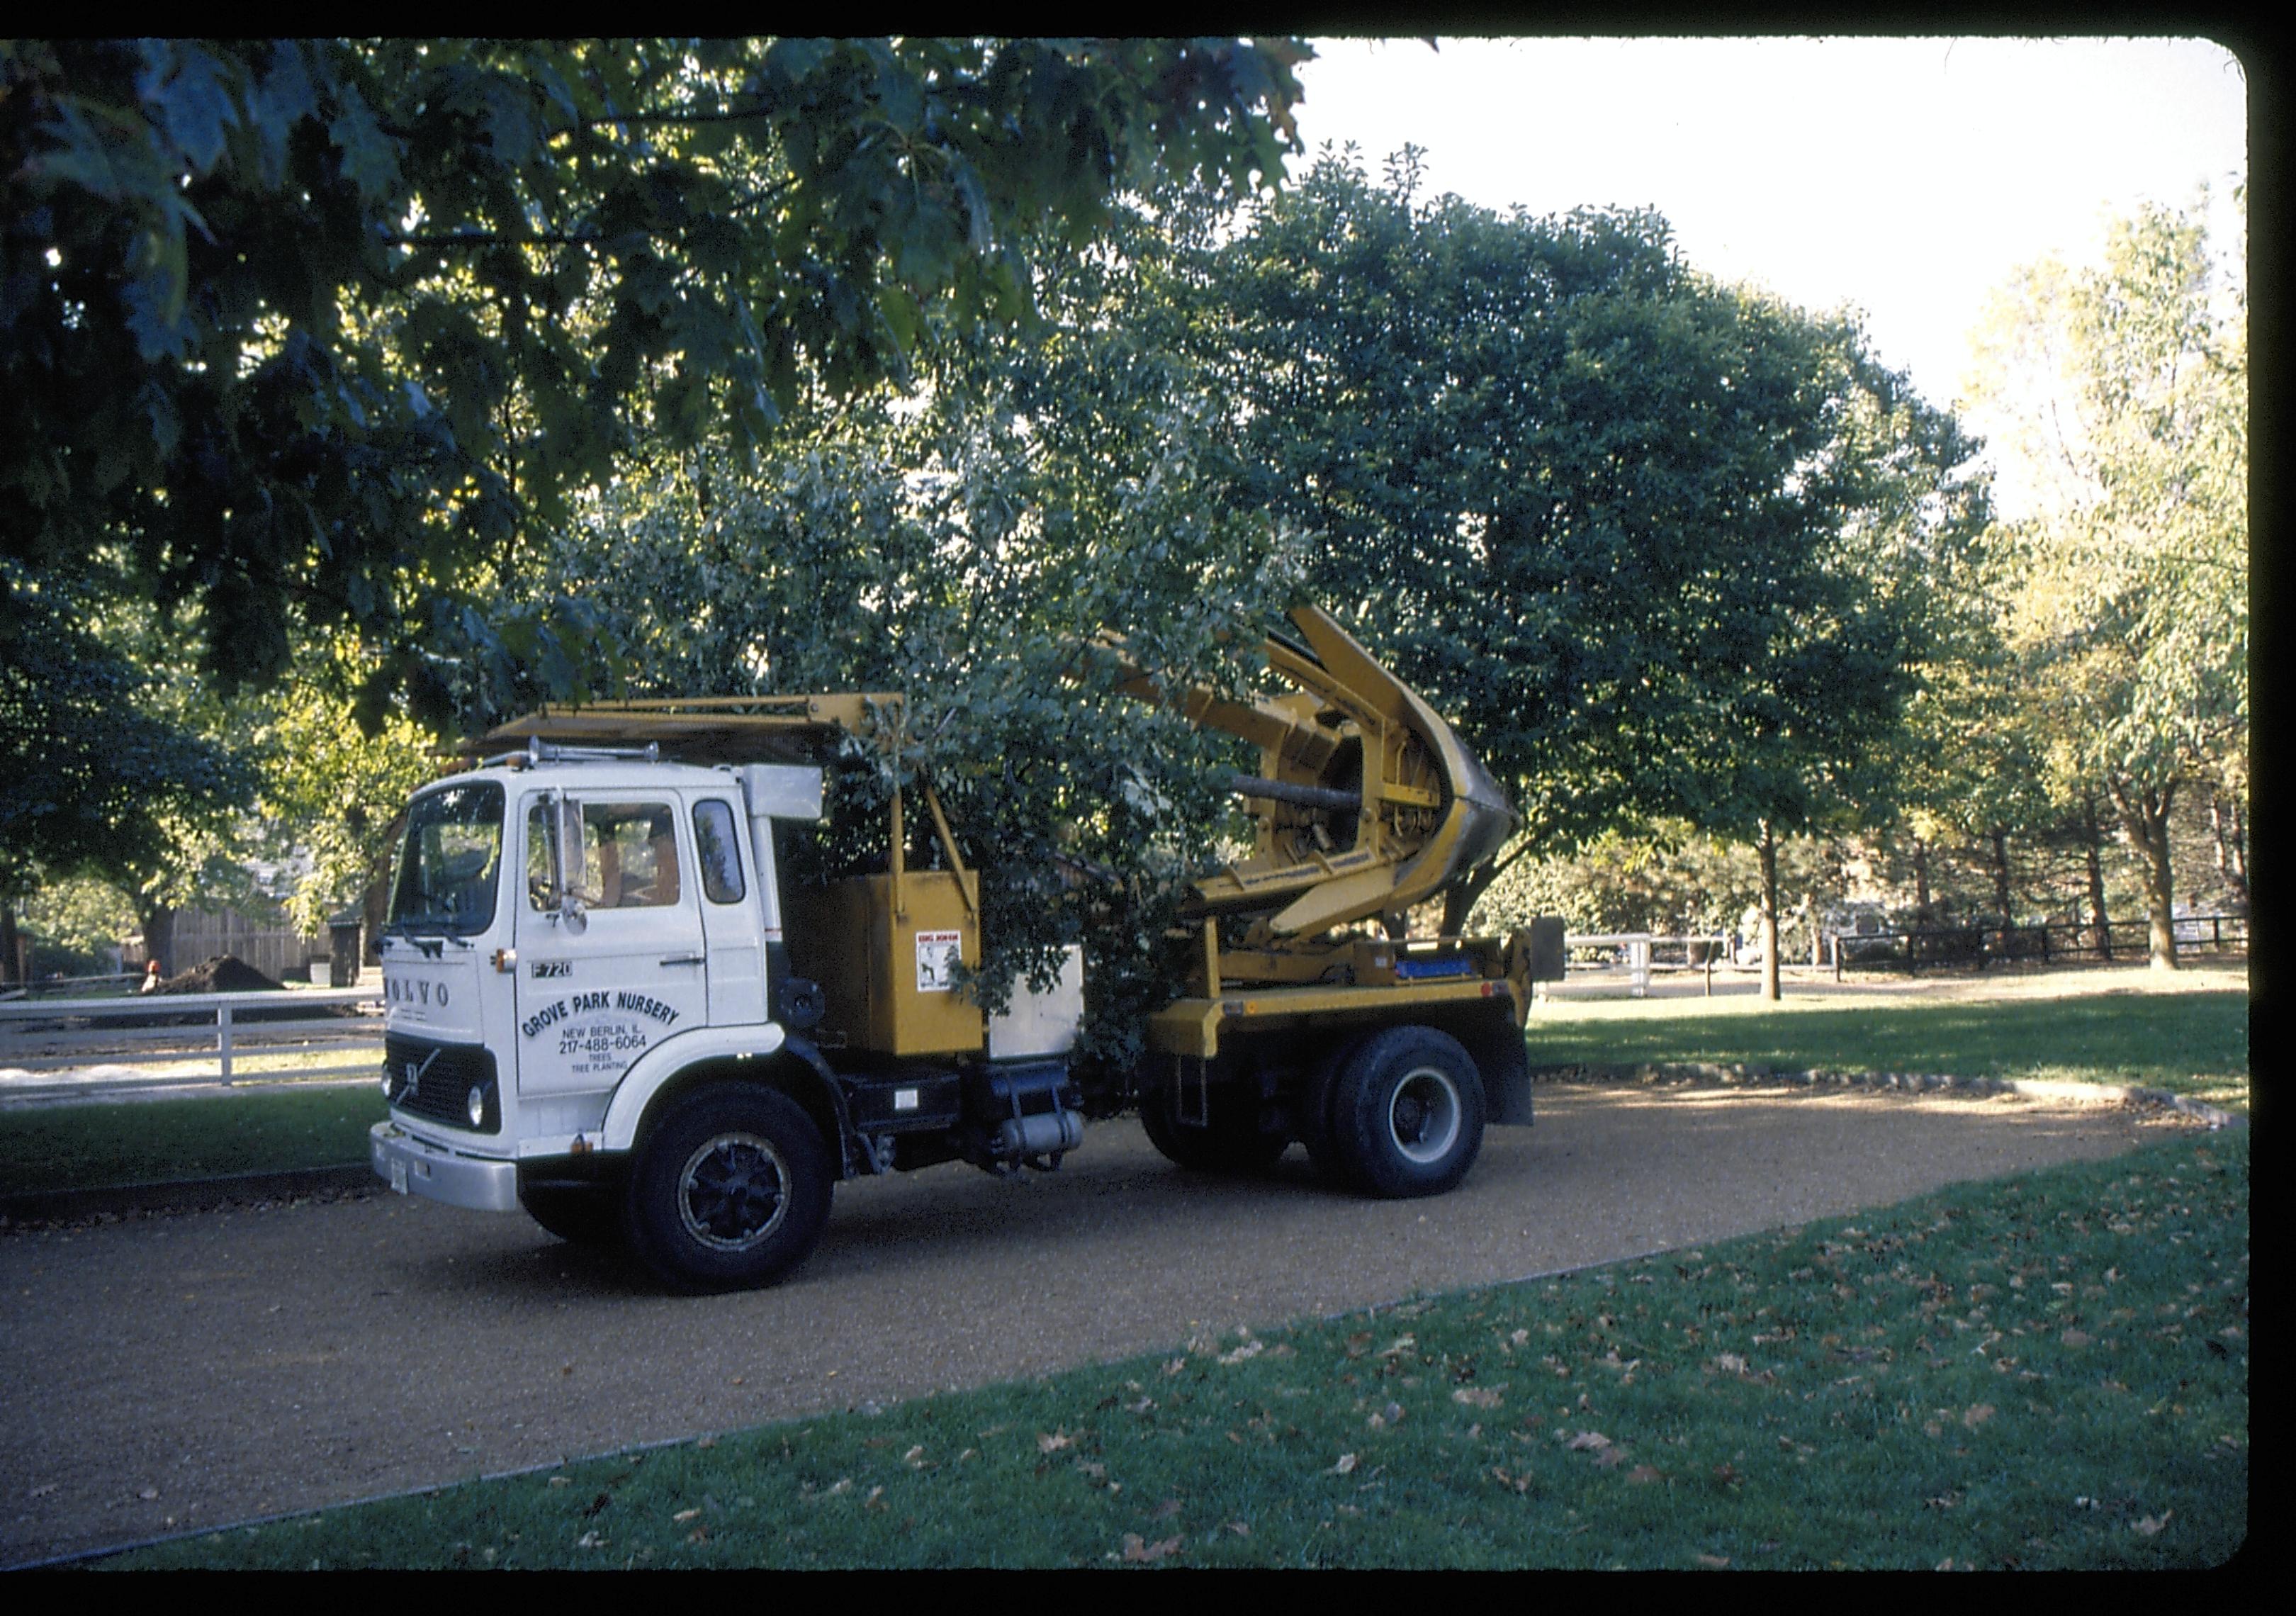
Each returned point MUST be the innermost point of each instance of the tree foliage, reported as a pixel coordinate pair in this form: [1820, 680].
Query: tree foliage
[2130, 382]
[318, 333]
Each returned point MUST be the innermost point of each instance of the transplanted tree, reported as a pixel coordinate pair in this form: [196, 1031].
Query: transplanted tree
[1660, 545]
[964, 550]
[318, 333]
[2131, 382]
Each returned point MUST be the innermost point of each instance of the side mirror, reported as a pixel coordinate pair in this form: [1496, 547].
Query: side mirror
[569, 862]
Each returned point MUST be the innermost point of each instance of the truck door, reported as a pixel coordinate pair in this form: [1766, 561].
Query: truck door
[599, 986]
[730, 923]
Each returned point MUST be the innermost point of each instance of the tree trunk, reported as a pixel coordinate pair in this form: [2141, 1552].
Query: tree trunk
[2095, 836]
[159, 923]
[2144, 814]
[1769, 925]
[1459, 902]
[1921, 881]
[11, 973]
[2232, 849]
[2003, 905]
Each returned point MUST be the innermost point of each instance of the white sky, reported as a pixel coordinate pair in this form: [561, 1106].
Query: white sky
[1905, 177]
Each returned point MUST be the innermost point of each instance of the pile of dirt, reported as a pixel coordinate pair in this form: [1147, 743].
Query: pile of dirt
[224, 974]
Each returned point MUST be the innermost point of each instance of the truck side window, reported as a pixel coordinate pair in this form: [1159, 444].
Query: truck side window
[719, 851]
[629, 855]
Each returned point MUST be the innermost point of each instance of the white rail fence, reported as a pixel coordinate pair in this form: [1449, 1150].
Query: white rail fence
[1635, 954]
[67, 1045]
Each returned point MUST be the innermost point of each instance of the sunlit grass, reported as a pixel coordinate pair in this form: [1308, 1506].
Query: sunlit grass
[2190, 1043]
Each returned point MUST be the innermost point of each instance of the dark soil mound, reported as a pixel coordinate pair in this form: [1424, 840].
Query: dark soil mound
[224, 973]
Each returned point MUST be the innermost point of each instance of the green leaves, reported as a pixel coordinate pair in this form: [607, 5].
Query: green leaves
[570, 250]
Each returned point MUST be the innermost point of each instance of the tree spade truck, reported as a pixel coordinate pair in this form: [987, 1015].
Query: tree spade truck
[602, 1006]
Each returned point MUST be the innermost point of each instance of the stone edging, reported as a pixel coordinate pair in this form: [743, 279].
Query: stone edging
[1740, 1072]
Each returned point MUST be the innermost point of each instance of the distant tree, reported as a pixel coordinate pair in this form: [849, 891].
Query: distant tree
[105, 771]
[2129, 383]
[1660, 547]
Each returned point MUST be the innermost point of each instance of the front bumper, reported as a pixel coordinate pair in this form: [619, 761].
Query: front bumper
[416, 1167]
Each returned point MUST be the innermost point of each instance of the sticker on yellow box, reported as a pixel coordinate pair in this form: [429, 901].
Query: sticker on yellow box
[936, 957]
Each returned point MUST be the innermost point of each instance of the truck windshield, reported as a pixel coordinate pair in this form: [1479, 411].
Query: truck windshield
[448, 864]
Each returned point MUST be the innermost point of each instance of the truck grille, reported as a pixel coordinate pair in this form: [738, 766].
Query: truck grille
[447, 1073]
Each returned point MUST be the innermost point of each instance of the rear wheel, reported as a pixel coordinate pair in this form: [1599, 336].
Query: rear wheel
[1230, 1141]
[730, 1190]
[1406, 1114]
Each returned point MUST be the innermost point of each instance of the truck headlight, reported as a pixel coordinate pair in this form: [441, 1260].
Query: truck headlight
[477, 1103]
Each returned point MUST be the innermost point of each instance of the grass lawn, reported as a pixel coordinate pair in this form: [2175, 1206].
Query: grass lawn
[56, 1147]
[2193, 1044]
[2046, 1370]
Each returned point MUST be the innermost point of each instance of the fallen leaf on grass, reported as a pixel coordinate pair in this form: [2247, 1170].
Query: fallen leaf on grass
[1250, 1349]
[1730, 1363]
[1166, 1510]
[1141, 1553]
[1610, 1457]
[1726, 1474]
[1051, 1443]
[2151, 1525]
[1477, 1397]
[1346, 1466]
[700, 1534]
[683, 1515]
[1242, 1528]
[1402, 1344]
[1587, 1440]
[1977, 1415]
[1642, 1474]
[2077, 1338]
[1714, 1562]
[562, 1481]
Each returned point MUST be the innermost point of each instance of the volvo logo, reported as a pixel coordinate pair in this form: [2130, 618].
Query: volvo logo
[415, 1072]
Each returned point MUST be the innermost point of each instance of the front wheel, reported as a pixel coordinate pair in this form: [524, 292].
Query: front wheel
[729, 1190]
[1406, 1114]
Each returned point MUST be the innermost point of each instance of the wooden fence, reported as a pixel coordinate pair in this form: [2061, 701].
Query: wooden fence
[279, 951]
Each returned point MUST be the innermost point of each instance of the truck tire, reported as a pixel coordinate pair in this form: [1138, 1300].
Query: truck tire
[1233, 1142]
[1406, 1114]
[730, 1190]
[586, 1214]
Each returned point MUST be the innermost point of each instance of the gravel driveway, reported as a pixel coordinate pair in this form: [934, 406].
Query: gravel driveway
[170, 1372]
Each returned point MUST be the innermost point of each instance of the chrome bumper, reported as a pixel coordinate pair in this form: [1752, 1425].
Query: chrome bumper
[416, 1167]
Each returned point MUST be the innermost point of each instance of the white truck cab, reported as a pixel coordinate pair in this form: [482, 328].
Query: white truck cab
[590, 1013]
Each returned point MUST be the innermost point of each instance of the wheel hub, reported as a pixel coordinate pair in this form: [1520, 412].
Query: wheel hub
[734, 1192]
[1423, 1117]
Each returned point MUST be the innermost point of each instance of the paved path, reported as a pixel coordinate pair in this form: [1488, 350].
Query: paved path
[168, 1372]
